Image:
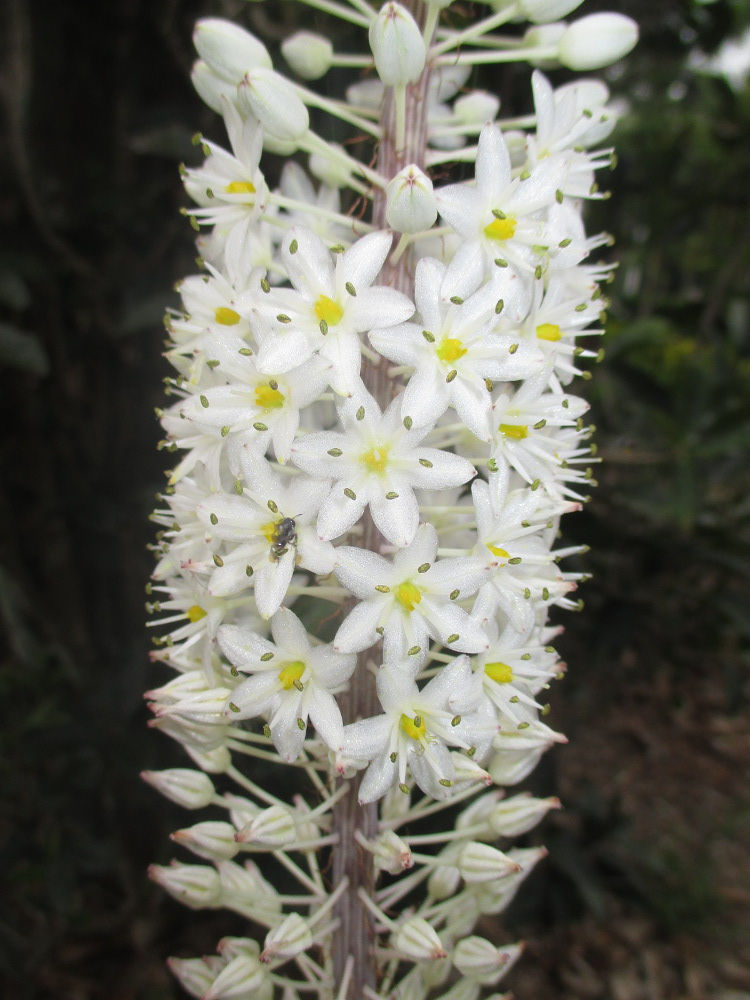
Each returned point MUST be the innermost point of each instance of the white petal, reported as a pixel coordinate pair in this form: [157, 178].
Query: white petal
[357, 631]
[360, 570]
[272, 580]
[289, 633]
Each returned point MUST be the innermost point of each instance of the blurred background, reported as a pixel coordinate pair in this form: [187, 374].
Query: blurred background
[646, 893]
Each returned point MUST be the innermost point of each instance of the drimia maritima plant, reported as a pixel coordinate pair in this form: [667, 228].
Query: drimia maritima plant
[375, 433]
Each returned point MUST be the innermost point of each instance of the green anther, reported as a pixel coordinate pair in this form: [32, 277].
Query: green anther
[527, 594]
[391, 496]
[525, 175]
[446, 783]
[565, 243]
[457, 300]
[213, 364]
[413, 650]
[204, 402]
[426, 463]
[489, 385]
[454, 594]
[299, 685]
[408, 422]
[545, 594]
[456, 720]
[267, 731]
[273, 507]
[539, 424]
[538, 271]
[234, 671]
[273, 384]
[565, 403]
[514, 561]
[381, 587]
[586, 376]
[225, 430]
[514, 700]
[452, 638]
[492, 465]
[581, 307]
[245, 352]
[423, 568]
[380, 630]
[194, 224]
[499, 306]
[559, 196]
[471, 751]
[265, 285]
[351, 289]
[293, 246]
[301, 725]
[429, 337]
[525, 524]
[540, 248]
[334, 452]
[523, 725]
[233, 707]
[218, 561]
[498, 214]
[451, 375]
[249, 570]
[238, 488]
[283, 318]
[535, 484]
[393, 757]
[360, 414]
[545, 710]
[499, 262]
[403, 788]
[337, 248]
[513, 348]
[259, 426]
[209, 193]
[266, 657]
[350, 493]
[213, 518]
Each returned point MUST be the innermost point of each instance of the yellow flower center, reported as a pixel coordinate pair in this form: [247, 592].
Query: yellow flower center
[268, 398]
[516, 431]
[240, 187]
[227, 316]
[501, 229]
[196, 613]
[328, 310]
[376, 459]
[290, 673]
[497, 551]
[417, 732]
[548, 331]
[268, 530]
[451, 349]
[499, 672]
[408, 596]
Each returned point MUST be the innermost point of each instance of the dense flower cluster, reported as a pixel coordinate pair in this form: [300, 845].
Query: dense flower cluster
[376, 437]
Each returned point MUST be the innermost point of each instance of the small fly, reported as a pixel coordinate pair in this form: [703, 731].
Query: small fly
[284, 536]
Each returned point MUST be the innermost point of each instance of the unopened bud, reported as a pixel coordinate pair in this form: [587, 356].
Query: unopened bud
[195, 974]
[330, 170]
[273, 827]
[397, 45]
[274, 102]
[391, 854]
[308, 54]
[544, 11]
[196, 886]
[291, 937]
[545, 36]
[212, 840]
[243, 976]
[477, 107]
[188, 788]
[482, 863]
[411, 206]
[210, 87]
[229, 50]
[597, 40]
[480, 960]
[417, 941]
[512, 817]
[443, 882]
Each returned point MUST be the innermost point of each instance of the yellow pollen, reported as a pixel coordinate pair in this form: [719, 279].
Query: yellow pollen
[499, 672]
[548, 331]
[496, 551]
[517, 431]
[227, 316]
[268, 530]
[451, 349]
[328, 310]
[500, 229]
[240, 187]
[408, 596]
[376, 459]
[290, 673]
[268, 398]
[416, 732]
[196, 613]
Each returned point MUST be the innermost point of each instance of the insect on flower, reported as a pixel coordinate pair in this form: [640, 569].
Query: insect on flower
[285, 534]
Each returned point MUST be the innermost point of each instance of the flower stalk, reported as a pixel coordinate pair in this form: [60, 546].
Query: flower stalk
[377, 437]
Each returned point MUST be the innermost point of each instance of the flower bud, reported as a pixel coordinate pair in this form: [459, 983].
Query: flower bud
[292, 936]
[478, 959]
[443, 882]
[210, 87]
[212, 840]
[229, 50]
[545, 36]
[195, 974]
[597, 40]
[188, 788]
[482, 863]
[391, 854]
[397, 45]
[215, 760]
[508, 767]
[468, 769]
[243, 976]
[416, 941]
[244, 884]
[308, 54]
[494, 897]
[330, 170]
[477, 107]
[274, 102]
[544, 11]
[196, 886]
[273, 828]
[512, 817]
[411, 206]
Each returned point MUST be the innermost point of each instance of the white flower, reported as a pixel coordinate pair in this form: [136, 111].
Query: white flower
[376, 462]
[292, 681]
[409, 600]
[457, 347]
[414, 733]
[329, 306]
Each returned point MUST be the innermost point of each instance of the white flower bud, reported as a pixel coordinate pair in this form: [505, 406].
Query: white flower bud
[482, 863]
[494, 897]
[443, 882]
[391, 854]
[330, 170]
[479, 959]
[417, 941]
[215, 760]
[194, 885]
[292, 936]
[242, 977]
[229, 50]
[188, 788]
[273, 827]
[274, 102]
[411, 206]
[544, 11]
[397, 45]
[477, 107]
[597, 40]
[545, 36]
[467, 769]
[210, 87]
[211, 840]
[195, 974]
[512, 817]
[309, 55]
[244, 884]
